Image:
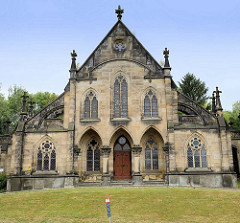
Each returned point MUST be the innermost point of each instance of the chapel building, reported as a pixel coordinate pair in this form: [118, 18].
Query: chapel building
[120, 121]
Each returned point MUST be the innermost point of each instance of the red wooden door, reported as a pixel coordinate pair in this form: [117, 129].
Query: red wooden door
[122, 159]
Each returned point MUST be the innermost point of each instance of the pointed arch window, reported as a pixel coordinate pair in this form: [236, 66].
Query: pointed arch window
[93, 156]
[151, 155]
[46, 156]
[150, 105]
[120, 97]
[91, 106]
[196, 153]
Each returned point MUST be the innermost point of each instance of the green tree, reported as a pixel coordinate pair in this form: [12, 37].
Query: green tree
[42, 99]
[194, 88]
[11, 107]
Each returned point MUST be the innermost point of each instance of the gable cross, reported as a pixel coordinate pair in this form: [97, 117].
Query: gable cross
[119, 12]
[166, 55]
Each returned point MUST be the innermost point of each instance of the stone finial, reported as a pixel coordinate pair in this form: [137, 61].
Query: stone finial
[30, 111]
[24, 106]
[73, 65]
[218, 102]
[7, 130]
[166, 55]
[119, 12]
[213, 103]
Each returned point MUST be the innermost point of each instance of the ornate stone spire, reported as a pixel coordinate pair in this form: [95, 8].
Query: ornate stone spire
[213, 103]
[119, 12]
[30, 111]
[166, 55]
[73, 66]
[24, 106]
[218, 102]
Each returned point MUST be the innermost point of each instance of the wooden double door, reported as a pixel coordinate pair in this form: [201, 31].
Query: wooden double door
[122, 159]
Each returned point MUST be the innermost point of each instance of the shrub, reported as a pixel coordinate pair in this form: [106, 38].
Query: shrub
[3, 182]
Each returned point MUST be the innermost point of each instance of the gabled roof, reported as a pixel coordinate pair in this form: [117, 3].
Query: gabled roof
[119, 30]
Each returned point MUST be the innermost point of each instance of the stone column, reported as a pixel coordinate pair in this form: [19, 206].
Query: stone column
[106, 177]
[166, 149]
[137, 177]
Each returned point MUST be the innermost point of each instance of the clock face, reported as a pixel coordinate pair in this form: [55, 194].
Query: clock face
[122, 140]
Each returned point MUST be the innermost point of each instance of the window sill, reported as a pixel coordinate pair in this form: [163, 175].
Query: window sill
[120, 119]
[198, 170]
[45, 172]
[90, 120]
[151, 119]
[87, 173]
[152, 172]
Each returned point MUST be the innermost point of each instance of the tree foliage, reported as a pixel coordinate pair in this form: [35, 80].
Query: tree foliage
[232, 116]
[11, 107]
[194, 88]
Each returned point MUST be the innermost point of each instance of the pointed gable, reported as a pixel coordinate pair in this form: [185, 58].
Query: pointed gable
[120, 44]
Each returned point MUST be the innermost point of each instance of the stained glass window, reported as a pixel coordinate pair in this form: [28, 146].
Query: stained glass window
[91, 106]
[46, 156]
[150, 105]
[196, 153]
[120, 98]
[151, 155]
[93, 156]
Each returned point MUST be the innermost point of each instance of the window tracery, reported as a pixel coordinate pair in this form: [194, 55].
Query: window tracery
[120, 98]
[46, 156]
[196, 153]
[151, 155]
[91, 106]
[93, 156]
[150, 105]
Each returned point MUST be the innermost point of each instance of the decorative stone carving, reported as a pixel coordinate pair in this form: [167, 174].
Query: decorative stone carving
[136, 150]
[106, 151]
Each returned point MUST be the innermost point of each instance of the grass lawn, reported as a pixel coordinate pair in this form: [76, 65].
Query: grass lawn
[127, 205]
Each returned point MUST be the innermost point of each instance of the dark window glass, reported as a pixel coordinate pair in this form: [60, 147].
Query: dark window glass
[124, 97]
[197, 159]
[147, 158]
[39, 160]
[97, 159]
[53, 160]
[204, 158]
[155, 157]
[117, 147]
[94, 108]
[190, 158]
[147, 107]
[154, 106]
[89, 159]
[117, 99]
[87, 108]
[46, 162]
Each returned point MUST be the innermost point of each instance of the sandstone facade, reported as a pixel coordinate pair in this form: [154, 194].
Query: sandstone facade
[120, 118]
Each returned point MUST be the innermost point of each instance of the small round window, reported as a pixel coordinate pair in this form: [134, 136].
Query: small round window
[122, 140]
[120, 45]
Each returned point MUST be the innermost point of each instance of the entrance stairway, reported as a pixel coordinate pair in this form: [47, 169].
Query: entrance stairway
[124, 183]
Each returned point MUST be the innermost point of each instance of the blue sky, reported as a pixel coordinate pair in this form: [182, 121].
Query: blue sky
[36, 38]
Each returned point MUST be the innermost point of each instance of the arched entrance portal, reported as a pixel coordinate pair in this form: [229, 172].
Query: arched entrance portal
[235, 161]
[122, 159]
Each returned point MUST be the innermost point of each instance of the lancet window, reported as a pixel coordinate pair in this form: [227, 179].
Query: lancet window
[46, 156]
[120, 97]
[91, 106]
[196, 153]
[151, 155]
[93, 156]
[150, 105]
